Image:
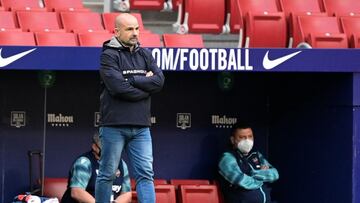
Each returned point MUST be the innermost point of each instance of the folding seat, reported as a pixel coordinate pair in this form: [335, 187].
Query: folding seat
[17, 38]
[165, 193]
[186, 40]
[10, 30]
[302, 6]
[342, 7]
[294, 8]
[321, 32]
[268, 30]
[265, 24]
[93, 39]
[233, 18]
[22, 5]
[150, 40]
[294, 27]
[109, 21]
[55, 39]
[35, 21]
[178, 182]
[351, 27]
[160, 182]
[81, 21]
[199, 193]
[147, 4]
[55, 187]
[156, 182]
[7, 20]
[202, 17]
[64, 5]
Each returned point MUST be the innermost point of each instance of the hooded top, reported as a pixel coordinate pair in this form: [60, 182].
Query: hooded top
[125, 96]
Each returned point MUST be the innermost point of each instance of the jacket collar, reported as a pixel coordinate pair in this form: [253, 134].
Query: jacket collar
[116, 44]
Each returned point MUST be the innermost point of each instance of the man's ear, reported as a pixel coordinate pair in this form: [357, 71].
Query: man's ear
[93, 147]
[232, 140]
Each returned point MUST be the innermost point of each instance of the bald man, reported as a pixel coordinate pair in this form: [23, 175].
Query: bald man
[129, 76]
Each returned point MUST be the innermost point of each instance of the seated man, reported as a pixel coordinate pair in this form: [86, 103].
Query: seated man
[244, 172]
[82, 176]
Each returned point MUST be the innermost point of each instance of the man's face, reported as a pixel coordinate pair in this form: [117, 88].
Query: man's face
[128, 32]
[241, 134]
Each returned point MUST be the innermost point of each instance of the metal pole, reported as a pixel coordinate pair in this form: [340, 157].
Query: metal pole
[44, 144]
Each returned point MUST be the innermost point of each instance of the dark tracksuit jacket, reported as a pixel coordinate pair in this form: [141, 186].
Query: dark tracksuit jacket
[90, 188]
[125, 91]
[241, 178]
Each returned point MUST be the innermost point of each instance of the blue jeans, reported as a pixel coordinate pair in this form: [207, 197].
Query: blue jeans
[138, 145]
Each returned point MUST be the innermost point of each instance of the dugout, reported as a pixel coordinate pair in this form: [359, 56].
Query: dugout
[306, 123]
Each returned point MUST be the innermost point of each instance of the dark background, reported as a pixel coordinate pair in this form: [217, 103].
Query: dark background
[302, 123]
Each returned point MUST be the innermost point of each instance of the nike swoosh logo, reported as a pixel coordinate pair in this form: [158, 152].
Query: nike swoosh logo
[270, 64]
[6, 61]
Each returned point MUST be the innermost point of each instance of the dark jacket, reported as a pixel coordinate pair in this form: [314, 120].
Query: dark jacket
[242, 179]
[125, 91]
[91, 184]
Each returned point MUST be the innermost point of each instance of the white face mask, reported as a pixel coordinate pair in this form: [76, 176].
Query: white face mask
[245, 146]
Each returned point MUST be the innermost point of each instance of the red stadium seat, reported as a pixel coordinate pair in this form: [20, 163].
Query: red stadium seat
[109, 21]
[203, 17]
[160, 182]
[199, 193]
[146, 4]
[321, 40]
[17, 38]
[294, 8]
[38, 21]
[351, 27]
[156, 182]
[259, 6]
[55, 39]
[59, 10]
[294, 27]
[302, 6]
[55, 187]
[268, 30]
[150, 40]
[22, 4]
[178, 182]
[187, 40]
[342, 7]
[165, 193]
[81, 21]
[260, 15]
[52, 5]
[236, 20]
[10, 30]
[7, 20]
[321, 32]
[93, 39]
